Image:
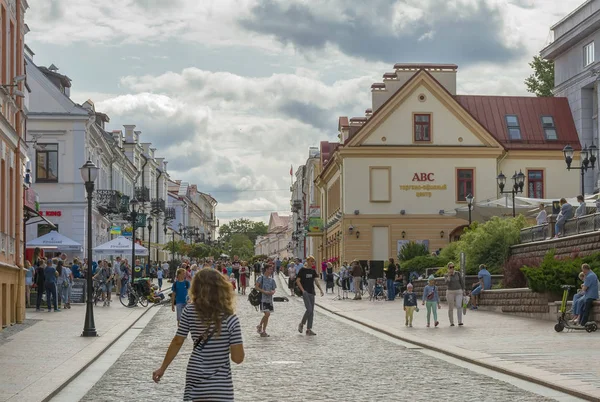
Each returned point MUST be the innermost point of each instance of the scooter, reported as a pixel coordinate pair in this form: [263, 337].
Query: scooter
[563, 323]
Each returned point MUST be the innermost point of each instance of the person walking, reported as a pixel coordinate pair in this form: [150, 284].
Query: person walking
[291, 277]
[266, 285]
[40, 281]
[410, 305]
[244, 274]
[117, 274]
[159, 277]
[67, 286]
[390, 276]
[306, 282]
[180, 289]
[217, 335]
[454, 294]
[104, 275]
[431, 299]
[356, 272]
[50, 275]
[29, 273]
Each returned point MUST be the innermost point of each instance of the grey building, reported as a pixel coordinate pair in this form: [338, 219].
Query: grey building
[577, 71]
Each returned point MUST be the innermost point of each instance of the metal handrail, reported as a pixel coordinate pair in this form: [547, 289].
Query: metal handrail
[574, 226]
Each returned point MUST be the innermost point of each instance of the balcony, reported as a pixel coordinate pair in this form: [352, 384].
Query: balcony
[585, 224]
[142, 194]
[108, 202]
[296, 206]
[157, 206]
[170, 214]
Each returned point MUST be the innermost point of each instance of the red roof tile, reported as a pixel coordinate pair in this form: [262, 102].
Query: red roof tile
[490, 112]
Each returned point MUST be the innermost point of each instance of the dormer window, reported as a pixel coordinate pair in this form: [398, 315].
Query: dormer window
[549, 128]
[588, 54]
[514, 130]
[422, 127]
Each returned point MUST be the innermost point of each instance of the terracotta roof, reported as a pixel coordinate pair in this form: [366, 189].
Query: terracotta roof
[491, 111]
[343, 122]
[280, 221]
[327, 150]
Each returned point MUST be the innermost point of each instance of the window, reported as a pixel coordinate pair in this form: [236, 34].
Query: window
[464, 184]
[535, 183]
[422, 127]
[549, 128]
[47, 163]
[380, 184]
[514, 130]
[588, 54]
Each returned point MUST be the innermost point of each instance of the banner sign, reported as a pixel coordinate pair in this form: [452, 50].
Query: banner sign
[78, 291]
[115, 230]
[315, 224]
[127, 231]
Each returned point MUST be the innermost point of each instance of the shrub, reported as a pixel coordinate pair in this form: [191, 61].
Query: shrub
[441, 272]
[552, 273]
[412, 250]
[421, 263]
[513, 275]
[451, 252]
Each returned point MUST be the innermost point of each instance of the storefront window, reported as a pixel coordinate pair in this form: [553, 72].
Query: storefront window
[464, 183]
[47, 163]
[535, 183]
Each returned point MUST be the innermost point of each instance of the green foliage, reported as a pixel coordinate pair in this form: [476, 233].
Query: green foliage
[412, 250]
[553, 272]
[488, 243]
[441, 272]
[240, 245]
[541, 82]
[178, 247]
[242, 226]
[423, 262]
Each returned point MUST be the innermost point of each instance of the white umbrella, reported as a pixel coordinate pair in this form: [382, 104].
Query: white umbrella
[118, 246]
[56, 241]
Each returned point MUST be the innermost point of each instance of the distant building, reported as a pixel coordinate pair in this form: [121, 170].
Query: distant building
[276, 243]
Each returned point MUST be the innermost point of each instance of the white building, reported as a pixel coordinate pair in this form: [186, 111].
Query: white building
[194, 210]
[277, 241]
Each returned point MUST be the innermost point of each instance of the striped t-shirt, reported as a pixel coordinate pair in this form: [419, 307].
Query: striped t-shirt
[208, 376]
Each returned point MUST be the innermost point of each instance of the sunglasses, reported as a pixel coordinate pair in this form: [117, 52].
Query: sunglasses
[451, 267]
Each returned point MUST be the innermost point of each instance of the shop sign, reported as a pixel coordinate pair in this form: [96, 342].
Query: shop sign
[423, 177]
[315, 224]
[30, 198]
[314, 211]
[51, 213]
[425, 189]
[127, 231]
[78, 291]
[115, 230]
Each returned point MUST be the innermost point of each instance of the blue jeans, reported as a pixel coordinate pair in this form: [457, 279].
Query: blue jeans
[578, 303]
[159, 283]
[587, 308]
[51, 295]
[391, 289]
[123, 287]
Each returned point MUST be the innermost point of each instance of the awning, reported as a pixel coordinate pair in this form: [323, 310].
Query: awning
[55, 240]
[31, 213]
[119, 246]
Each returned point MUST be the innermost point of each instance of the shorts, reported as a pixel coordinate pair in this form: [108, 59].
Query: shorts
[266, 307]
[476, 291]
[107, 287]
[179, 308]
[28, 281]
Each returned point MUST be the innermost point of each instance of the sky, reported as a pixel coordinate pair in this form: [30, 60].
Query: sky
[234, 92]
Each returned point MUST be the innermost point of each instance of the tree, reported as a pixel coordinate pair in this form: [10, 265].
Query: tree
[541, 82]
[242, 226]
[240, 245]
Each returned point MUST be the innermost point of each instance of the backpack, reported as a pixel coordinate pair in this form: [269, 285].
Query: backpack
[254, 297]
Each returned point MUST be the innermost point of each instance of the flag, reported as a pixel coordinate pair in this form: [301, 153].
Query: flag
[291, 170]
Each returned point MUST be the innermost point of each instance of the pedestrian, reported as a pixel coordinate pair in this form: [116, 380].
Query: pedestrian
[431, 299]
[278, 265]
[67, 286]
[180, 293]
[306, 282]
[137, 271]
[117, 274]
[590, 288]
[410, 305]
[356, 272]
[390, 276]
[76, 269]
[291, 277]
[266, 285]
[244, 274]
[39, 282]
[29, 273]
[104, 276]
[455, 293]
[159, 276]
[485, 283]
[60, 282]
[217, 336]
[235, 269]
[125, 275]
[50, 275]
[165, 269]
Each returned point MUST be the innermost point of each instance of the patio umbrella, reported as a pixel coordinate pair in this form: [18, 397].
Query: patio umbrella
[55, 241]
[118, 246]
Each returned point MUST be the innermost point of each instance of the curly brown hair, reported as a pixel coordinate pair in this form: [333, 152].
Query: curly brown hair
[212, 297]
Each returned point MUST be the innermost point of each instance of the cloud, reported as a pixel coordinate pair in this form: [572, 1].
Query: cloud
[386, 30]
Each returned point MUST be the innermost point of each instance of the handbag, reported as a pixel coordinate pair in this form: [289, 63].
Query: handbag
[254, 297]
[203, 339]
[431, 295]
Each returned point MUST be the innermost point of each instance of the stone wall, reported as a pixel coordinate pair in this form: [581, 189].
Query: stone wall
[583, 244]
[470, 280]
[525, 303]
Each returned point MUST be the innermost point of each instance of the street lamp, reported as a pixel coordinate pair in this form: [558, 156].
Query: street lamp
[588, 161]
[470, 205]
[89, 173]
[134, 215]
[518, 183]
[150, 220]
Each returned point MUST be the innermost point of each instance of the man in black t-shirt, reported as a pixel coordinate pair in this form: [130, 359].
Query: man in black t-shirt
[257, 266]
[390, 276]
[306, 282]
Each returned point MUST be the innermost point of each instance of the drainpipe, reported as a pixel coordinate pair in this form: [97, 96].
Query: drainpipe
[143, 184]
[157, 225]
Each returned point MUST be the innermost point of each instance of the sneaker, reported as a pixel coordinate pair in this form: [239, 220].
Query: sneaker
[49, 310]
[264, 335]
[57, 310]
[309, 332]
[460, 324]
[259, 329]
[427, 325]
[406, 324]
[300, 327]
[104, 304]
[474, 308]
[437, 323]
[410, 325]
[451, 325]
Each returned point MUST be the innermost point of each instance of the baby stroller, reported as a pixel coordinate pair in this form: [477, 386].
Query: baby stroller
[379, 292]
[329, 284]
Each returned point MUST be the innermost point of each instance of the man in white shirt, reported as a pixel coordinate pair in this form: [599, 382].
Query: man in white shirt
[541, 217]
[117, 274]
[165, 268]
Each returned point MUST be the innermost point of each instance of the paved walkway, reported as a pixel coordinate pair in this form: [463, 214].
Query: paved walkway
[528, 348]
[45, 353]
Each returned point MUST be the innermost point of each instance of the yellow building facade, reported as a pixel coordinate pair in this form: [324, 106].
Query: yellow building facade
[399, 173]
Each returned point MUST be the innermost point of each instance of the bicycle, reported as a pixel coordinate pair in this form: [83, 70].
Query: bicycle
[132, 297]
[97, 294]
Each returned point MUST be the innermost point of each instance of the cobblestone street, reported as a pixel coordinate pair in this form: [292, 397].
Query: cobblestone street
[341, 363]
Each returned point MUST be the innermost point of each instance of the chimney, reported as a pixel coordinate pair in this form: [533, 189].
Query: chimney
[118, 137]
[136, 136]
[129, 137]
[146, 147]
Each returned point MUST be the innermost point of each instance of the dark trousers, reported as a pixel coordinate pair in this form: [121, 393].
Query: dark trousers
[391, 289]
[51, 294]
[40, 294]
[587, 307]
[160, 283]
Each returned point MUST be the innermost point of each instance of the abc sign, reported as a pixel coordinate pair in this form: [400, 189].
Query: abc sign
[423, 177]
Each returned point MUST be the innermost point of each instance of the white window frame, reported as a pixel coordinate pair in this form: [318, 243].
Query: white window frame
[588, 54]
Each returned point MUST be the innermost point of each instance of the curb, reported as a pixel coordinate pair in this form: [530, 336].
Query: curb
[462, 357]
[88, 364]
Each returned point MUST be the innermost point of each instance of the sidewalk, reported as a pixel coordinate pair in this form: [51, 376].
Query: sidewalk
[41, 358]
[527, 348]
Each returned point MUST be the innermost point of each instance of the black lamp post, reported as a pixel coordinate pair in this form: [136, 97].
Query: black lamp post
[134, 215]
[470, 205]
[518, 183]
[150, 220]
[89, 173]
[588, 161]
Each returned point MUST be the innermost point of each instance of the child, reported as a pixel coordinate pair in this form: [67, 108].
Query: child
[180, 290]
[232, 280]
[432, 298]
[243, 276]
[410, 304]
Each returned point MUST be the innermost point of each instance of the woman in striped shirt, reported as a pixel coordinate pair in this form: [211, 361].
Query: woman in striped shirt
[216, 333]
